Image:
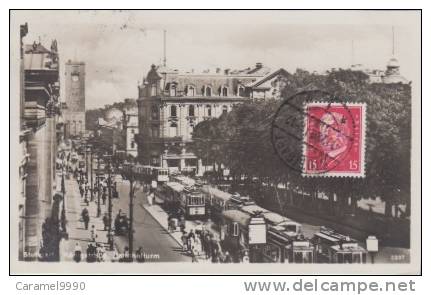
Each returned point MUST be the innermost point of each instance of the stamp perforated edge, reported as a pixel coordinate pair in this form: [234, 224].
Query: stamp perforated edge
[361, 174]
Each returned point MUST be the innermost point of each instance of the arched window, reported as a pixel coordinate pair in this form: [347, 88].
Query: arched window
[208, 91]
[155, 131]
[173, 111]
[208, 110]
[154, 112]
[224, 110]
[153, 89]
[241, 90]
[191, 110]
[132, 144]
[173, 90]
[223, 91]
[190, 90]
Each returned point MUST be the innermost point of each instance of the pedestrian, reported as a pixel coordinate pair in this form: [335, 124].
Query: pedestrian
[194, 254]
[150, 197]
[81, 191]
[104, 196]
[140, 257]
[227, 257]
[169, 223]
[78, 253]
[93, 234]
[100, 252]
[105, 221]
[198, 245]
[246, 258]
[190, 239]
[91, 253]
[85, 217]
[184, 239]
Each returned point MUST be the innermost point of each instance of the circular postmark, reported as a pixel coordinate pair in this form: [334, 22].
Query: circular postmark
[312, 132]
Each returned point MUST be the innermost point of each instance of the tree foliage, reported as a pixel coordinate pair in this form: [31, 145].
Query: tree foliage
[240, 140]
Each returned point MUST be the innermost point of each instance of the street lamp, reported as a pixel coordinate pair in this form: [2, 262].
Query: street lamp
[110, 236]
[63, 207]
[98, 187]
[91, 173]
[130, 176]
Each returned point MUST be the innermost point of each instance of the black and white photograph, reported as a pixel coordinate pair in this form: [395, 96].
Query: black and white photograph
[215, 141]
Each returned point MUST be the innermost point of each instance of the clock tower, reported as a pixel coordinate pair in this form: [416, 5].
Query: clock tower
[75, 98]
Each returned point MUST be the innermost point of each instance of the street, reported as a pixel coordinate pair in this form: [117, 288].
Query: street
[158, 245]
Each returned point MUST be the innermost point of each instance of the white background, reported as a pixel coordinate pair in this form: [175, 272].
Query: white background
[201, 285]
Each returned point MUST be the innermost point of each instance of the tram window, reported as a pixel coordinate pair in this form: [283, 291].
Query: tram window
[364, 258]
[357, 257]
[291, 228]
[297, 257]
[348, 258]
[235, 229]
[340, 258]
[308, 257]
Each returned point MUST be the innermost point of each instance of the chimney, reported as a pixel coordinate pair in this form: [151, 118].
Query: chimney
[259, 65]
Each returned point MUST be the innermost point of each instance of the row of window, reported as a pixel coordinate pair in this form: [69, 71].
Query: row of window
[190, 90]
[191, 111]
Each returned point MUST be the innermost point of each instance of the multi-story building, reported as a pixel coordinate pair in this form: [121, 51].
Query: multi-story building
[75, 98]
[38, 208]
[172, 103]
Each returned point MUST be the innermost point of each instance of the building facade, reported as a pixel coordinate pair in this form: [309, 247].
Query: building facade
[171, 104]
[75, 98]
[130, 130]
[38, 208]
[389, 76]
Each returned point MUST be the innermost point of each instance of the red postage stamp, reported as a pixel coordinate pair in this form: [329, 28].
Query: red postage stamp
[334, 139]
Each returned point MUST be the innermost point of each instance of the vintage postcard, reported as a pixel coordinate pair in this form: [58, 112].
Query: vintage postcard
[215, 142]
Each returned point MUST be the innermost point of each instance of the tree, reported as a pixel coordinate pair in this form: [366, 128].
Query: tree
[240, 140]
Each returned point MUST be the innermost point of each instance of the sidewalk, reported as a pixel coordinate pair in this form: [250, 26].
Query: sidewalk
[75, 227]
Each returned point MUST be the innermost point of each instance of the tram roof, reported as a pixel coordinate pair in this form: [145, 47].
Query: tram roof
[276, 218]
[215, 192]
[250, 209]
[237, 216]
[185, 180]
[178, 187]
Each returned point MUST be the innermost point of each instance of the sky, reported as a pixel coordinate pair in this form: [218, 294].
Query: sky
[119, 47]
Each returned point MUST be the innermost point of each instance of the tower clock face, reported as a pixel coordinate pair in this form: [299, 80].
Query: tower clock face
[75, 78]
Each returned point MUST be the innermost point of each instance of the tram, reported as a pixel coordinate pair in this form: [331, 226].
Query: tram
[234, 232]
[290, 227]
[148, 173]
[178, 199]
[283, 247]
[216, 202]
[333, 247]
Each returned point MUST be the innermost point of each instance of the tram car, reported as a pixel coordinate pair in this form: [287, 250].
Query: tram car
[289, 226]
[169, 197]
[333, 247]
[216, 202]
[234, 232]
[147, 173]
[180, 200]
[282, 247]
